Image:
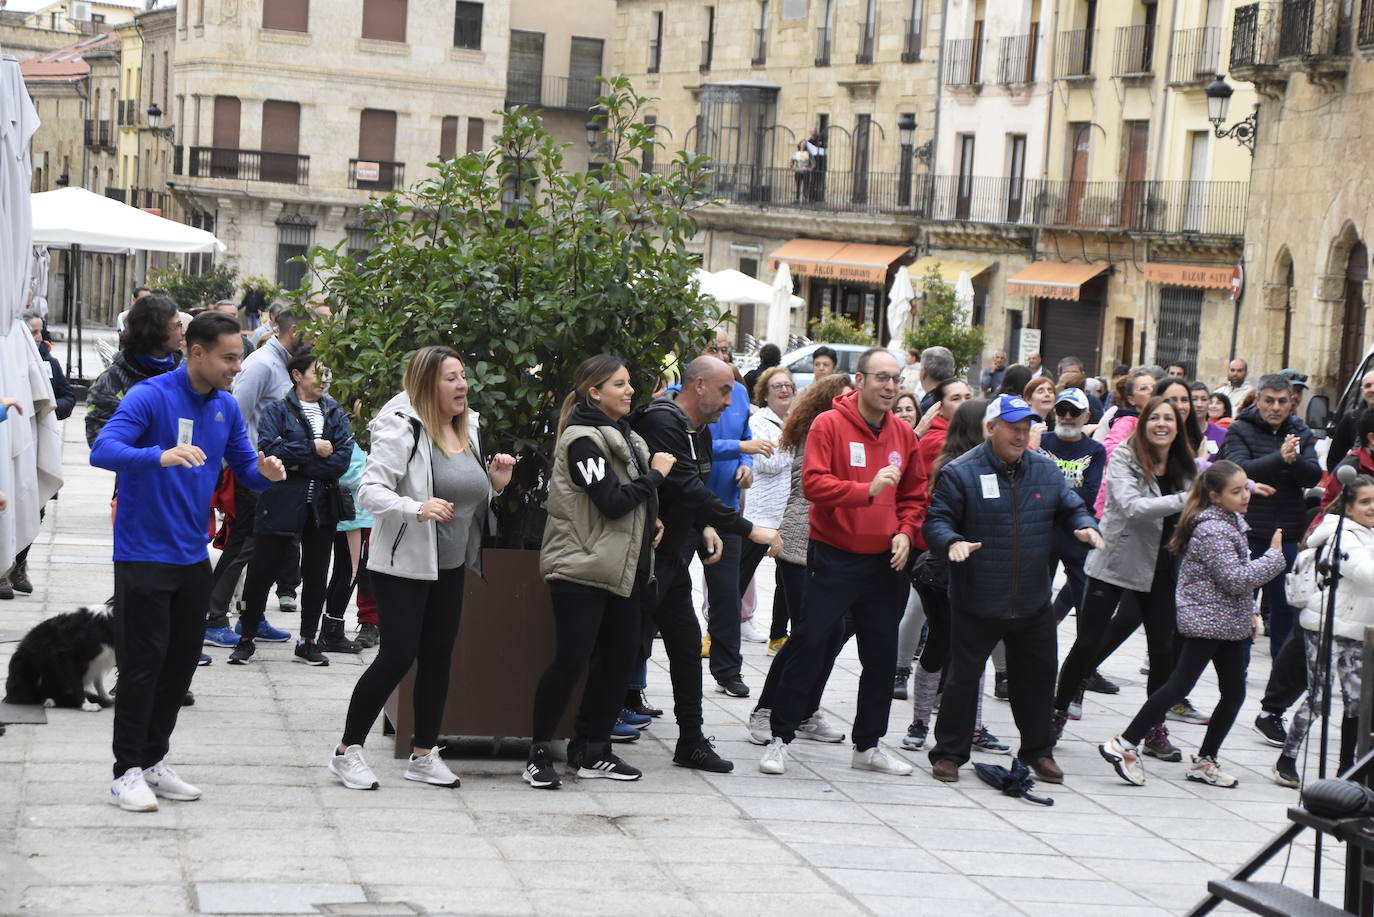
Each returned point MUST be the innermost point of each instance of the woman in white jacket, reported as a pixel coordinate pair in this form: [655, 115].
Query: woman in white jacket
[1354, 612]
[767, 496]
[428, 490]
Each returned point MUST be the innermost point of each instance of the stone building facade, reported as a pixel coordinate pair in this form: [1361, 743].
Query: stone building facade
[1311, 211]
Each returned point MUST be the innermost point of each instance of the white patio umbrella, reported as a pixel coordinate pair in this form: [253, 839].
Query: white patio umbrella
[75, 216]
[899, 307]
[780, 309]
[963, 295]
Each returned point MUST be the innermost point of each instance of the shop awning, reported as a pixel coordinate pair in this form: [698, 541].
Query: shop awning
[949, 269]
[1210, 276]
[854, 261]
[1053, 279]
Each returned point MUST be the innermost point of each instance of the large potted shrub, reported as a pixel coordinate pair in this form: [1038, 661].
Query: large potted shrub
[942, 322]
[525, 268]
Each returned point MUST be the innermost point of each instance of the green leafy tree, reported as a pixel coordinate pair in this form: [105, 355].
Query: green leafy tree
[525, 268]
[943, 323]
[834, 328]
[271, 290]
[191, 291]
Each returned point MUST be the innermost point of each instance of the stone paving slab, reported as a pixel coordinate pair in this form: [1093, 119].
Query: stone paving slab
[824, 839]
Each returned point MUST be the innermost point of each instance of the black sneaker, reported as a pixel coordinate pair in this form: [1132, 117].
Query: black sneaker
[899, 684]
[1286, 772]
[700, 754]
[368, 636]
[636, 702]
[188, 699]
[307, 651]
[539, 770]
[1271, 729]
[243, 653]
[609, 766]
[999, 686]
[1100, 685]
[19, 578]
[733, 686]
[6, 590]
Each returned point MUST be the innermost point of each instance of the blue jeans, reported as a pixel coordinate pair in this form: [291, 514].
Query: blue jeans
[1281, 614]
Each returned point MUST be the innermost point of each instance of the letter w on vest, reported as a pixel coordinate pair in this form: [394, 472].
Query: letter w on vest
[592, 469]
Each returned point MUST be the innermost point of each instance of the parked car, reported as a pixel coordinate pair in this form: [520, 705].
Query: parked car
[798, 362]
[1319, 413]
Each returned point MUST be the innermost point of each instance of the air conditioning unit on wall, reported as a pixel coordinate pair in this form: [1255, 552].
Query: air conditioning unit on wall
[81, 11]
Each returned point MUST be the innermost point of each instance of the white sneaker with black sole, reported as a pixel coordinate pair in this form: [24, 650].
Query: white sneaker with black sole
[131, 793]
[165, 782]
[610, 767]
[430, 768]
[352, 770]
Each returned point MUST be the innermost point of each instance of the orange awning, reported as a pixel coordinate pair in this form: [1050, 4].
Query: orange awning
[1053, 279]
[1211, 276]
[854, 261]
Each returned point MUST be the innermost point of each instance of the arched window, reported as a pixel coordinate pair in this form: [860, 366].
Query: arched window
[1353, 316]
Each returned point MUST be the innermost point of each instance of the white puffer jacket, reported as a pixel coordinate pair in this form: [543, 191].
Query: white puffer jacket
[1355, 595]
[767, 497]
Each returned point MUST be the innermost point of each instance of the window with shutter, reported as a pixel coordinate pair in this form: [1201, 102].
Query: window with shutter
[384, 20]
[448, 138]
[287, 15]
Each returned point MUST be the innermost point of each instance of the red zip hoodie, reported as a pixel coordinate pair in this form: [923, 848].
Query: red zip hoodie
[843, 455]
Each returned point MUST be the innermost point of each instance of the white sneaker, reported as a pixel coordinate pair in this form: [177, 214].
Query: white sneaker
[352, 770]
[1204, 769]
[774, 760]
[131, 793]
[761, 726]
[818, 729]
[165, 782]
[748, 633]
[1125, 758]
[881, 760]
[430, 768]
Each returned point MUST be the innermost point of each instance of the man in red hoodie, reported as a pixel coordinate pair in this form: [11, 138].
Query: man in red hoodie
[861, 478]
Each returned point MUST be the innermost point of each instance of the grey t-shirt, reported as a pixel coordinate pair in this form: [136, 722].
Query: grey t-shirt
[461, 480]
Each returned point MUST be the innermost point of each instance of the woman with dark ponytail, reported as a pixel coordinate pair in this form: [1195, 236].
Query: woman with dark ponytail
[597, 558]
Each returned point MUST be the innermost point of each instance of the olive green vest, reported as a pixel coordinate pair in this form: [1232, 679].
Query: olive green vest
[580, 544]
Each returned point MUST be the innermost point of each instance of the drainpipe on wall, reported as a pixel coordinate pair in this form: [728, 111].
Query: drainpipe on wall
[1049, 105]
[939, 88]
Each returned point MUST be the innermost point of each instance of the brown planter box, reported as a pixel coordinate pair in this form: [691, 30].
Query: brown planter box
[505, 641]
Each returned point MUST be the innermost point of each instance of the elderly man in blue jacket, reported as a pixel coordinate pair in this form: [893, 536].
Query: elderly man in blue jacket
[727, 577]
[993, 513]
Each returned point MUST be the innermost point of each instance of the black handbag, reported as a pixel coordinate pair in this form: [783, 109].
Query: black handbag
[930, 570]
[343, 504]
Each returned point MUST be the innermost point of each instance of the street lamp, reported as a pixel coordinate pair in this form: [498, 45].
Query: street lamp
[168, 133]
[906, 134]
[1219, 94]
[594, 126]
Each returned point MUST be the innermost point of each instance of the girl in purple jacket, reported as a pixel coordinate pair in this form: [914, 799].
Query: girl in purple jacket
[1216, 619]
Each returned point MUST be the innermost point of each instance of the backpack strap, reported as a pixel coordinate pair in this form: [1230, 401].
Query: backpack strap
[417, 429]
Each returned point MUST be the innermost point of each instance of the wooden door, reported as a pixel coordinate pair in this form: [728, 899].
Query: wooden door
[224, 161]
[1135, 198]
[281, 141]
[1079, 136]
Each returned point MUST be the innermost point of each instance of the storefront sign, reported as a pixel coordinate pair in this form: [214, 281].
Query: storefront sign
[1211, 276]
[1030, 343]
[829, 270]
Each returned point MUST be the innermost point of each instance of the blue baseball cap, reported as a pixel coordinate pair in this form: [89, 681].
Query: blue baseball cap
[1010, 408]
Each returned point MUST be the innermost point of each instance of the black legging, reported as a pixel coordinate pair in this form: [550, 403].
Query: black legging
[778, 629]
[935, 602]
[419, 623]
[268, 551]
[1094, 620]
[596, 626]
[343, 578]
[1230, 659]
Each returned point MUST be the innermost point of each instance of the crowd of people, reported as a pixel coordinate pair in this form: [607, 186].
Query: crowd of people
[903, 507]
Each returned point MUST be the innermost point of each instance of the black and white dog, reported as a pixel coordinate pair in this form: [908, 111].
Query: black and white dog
[64, 660]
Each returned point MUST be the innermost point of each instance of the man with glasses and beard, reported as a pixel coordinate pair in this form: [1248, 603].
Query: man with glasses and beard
[1082, 459]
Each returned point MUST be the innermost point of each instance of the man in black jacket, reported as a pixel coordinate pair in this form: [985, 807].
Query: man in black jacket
[691, 516]
[1276, 448]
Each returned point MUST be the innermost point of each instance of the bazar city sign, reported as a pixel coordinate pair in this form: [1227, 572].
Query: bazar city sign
[1211, 276]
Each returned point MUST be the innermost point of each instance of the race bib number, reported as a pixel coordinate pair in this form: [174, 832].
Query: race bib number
[858, 458]
[185, 427]
[991, 491]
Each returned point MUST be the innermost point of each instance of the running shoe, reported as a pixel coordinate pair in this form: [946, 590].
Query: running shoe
[1075, 710]
[368, 636]
[430, 768]
[205, 659]
[165, 782]
[734, 686]
[351, 769]
[622, 732]
[915, 737]
[818, 729]
[1100, 685]
[1286, 772]
[1271, 728]
[131, 793]
[225, 637]
[761, 726]
[308, 651]
[610, 767]
[287, 603]
[539, 770]
[699, 752]
[266, 632]
[1125, 758]
[637, 720]
[1157, 744]
[774, 760]
[999, 686]
[243, 653]
[1185, 712]
[986, 741]
[879, 759]
[899, 684]
[748, 633]
[1204, 769]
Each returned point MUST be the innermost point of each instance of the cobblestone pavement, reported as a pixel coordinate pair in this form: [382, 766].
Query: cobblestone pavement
[275, 833]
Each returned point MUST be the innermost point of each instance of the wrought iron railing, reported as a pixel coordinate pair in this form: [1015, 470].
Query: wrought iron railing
[1075, 55]
[390, 176]
[1197, 56]
[1366, 32]
[97, 133]
[1309, 28]
[570, 93]
[963, 62]
[248, 165]
[1135, 51]
[1016, 62]
[1254, 41]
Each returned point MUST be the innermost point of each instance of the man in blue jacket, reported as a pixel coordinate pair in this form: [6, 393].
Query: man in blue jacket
[993, 513]
[732, 470]
[166, 441]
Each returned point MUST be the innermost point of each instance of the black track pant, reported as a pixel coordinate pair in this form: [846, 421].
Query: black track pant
[316, 543]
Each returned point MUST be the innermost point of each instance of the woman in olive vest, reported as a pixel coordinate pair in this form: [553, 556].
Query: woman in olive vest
[597, 558]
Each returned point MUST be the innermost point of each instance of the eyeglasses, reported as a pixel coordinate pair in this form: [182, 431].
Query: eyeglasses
[781, 387]
[883, 378]
[1066, 410]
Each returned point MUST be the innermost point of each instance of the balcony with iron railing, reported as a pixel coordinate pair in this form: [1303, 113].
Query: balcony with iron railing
[1197, 56]
[1169, 208]
[96, 133]
[1016, 60]
[388, 175]
[760, 57]
[1313, 29]
[911, 41]
[1135, 51]
[565, 93]
[1254, 39]
[868, 36]
[1365, 35]
[248, 165]
[824, 40]
[143, 198]
[963, 62]
[1074, 57]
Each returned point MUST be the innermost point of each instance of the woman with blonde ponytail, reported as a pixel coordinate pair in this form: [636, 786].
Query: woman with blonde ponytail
[597, 558]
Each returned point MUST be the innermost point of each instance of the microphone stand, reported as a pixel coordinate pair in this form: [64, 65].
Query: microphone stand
[1330, 569]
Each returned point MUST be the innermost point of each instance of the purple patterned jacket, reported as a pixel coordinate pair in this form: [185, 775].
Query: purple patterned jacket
[1217, 579]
